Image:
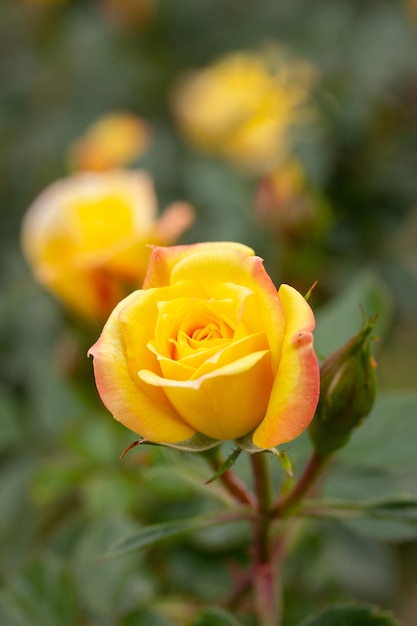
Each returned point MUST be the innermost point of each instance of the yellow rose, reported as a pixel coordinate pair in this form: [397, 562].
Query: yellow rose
[243, 105]
[114, 140]
[86, 237]
[208, 346]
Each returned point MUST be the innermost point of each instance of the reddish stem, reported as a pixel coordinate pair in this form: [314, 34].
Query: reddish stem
[311, 472]
[265, 579]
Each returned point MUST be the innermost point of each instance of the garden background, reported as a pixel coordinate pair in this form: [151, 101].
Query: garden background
[65, 495]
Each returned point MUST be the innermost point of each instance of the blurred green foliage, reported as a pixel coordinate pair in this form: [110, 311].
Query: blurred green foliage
[65, 496]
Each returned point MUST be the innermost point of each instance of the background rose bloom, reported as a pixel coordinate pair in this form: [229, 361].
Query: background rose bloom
[86, 237]
[209, 346]
[243, 105]
[114, 140]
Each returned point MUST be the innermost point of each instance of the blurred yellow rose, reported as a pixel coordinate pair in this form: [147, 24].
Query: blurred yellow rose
[114, 140]
[85, 237]
[209, 346]
[242, 106]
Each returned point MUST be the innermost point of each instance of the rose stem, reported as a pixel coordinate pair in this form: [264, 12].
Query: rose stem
[265, 578]
[310, 474]
[239, 593]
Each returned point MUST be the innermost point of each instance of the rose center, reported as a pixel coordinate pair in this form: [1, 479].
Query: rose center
[193, 337]
[210, 331]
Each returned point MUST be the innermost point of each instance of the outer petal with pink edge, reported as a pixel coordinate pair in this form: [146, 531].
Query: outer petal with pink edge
[296, 388]
[152, 418]
[164, 259]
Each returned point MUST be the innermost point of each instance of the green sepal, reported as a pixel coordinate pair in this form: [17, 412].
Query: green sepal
[284, 460]
[246, 444]
[310, 291]
[226, 465]
[197, 443]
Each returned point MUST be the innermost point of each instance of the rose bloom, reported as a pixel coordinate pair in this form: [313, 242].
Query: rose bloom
[86, 237]
[243, 105]
[209, 346]
[114, 140]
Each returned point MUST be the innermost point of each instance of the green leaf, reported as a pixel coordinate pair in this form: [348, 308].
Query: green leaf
[387, 438]
[393, 519]
[341, 318]
[141, 617]
[9, 419]
[388, 520]
[402, 507]
[360, 482]
[224, 467]
[351, 615]
[370, 485]
[214, 616]
[44, 593]
[152, 535]
[105, 587]
[6, 617]
[380, 529]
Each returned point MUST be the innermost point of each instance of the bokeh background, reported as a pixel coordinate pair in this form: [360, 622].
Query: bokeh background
[336, 203]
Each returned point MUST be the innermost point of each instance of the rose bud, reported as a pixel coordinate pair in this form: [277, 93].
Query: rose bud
[347, 392]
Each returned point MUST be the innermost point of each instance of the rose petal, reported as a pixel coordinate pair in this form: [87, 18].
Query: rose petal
[176, 218]
[226, 403]
[91, 293]
[233, 353]
[183, 318]
[296, 389]
[147, 411]
[163, 260]
[263, 311]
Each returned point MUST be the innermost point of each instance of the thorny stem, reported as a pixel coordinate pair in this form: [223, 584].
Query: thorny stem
[262, 482]
[265, 583]
[266, 554]
[240, 591]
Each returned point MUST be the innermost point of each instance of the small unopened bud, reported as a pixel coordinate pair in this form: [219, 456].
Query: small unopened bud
[347, 392]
